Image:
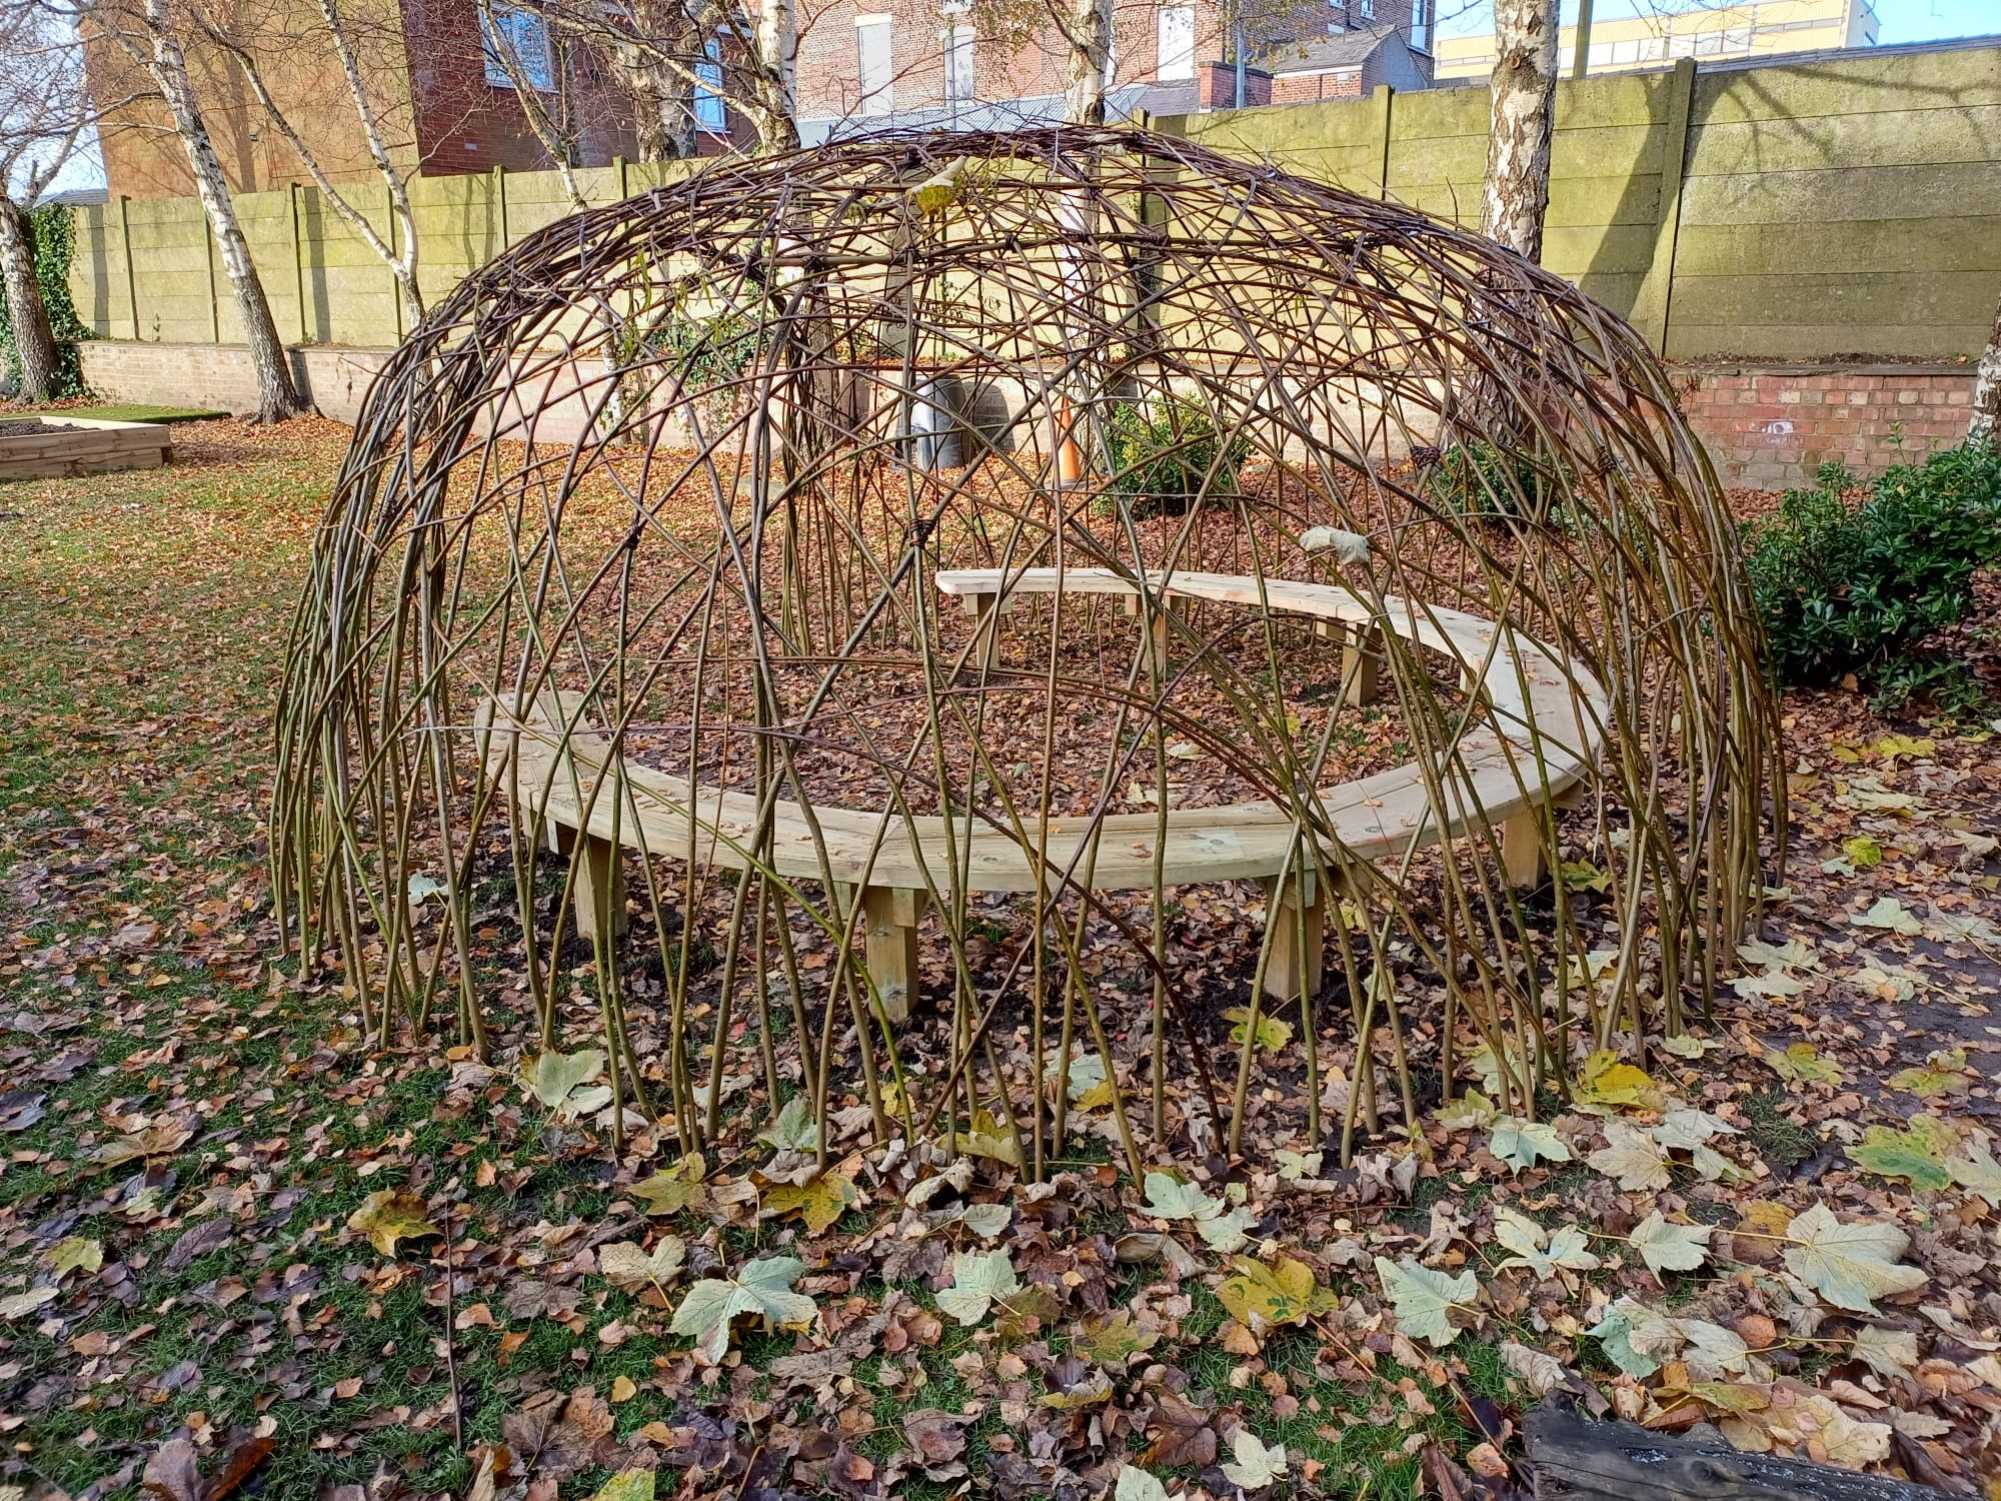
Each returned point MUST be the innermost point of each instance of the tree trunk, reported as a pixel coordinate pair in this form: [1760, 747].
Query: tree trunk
[775, 114]
[1516, 198]
[34, 340]
[1089, 34]
[1986, 423]
[277, 395]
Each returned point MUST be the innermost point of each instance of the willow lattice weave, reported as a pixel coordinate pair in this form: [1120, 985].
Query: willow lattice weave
[946, 574]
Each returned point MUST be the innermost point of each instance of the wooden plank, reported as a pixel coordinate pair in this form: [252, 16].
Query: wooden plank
[1575, 1459]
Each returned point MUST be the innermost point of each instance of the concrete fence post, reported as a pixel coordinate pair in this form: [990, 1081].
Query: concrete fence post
[1386, 109]
[131, 277]
[1652, 303]
[499, 198]
[299, 267]
[214, 302]
[624, 178]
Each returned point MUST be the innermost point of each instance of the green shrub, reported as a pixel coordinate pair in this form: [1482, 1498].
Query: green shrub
[1170, 451]
[1481, 478]
[51, 234]
[1851, 589]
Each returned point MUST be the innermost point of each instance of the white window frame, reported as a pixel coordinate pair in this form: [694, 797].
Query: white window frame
[961, 66]
[881, 99]
[711, 110]
[1168, 69]
[527, 33]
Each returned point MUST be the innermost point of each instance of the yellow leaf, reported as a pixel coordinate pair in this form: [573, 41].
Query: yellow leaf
[1273, 1034]
[389, 1215]
[818, 1201]
[623, 1389]
[1259, 1296]
[1607, 1081]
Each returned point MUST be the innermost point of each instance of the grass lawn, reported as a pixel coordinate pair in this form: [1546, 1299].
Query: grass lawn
[188, 1126]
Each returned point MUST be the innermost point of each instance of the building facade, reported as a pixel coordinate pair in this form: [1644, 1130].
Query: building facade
[868, 64]
[1712, 32]
[445, 103]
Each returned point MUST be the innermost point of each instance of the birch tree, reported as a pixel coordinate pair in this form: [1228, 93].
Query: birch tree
[1087, 36]
[245, 37]
[1515, 200]
[149, 34]
[45, 109]
[553, 129]
[1986, 423]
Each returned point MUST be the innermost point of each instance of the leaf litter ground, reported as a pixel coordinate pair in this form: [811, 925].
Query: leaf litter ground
[244, 1254]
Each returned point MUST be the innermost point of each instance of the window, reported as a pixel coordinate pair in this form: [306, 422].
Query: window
[527, 35]
[958, 59]
[709, 90]
[1174, 39]
[1420, 25]
[874, 55]
[1368, 11]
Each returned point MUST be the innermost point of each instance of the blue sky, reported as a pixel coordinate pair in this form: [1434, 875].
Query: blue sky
[1900, 20]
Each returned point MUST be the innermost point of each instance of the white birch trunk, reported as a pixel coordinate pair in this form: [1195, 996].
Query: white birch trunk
[1089, 34]
[775, 114]
[1986, 423]
[277, 395]
[1516, 196]
[530, 98]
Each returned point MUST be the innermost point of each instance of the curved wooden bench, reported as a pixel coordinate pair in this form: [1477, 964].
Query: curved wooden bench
[1537, 706]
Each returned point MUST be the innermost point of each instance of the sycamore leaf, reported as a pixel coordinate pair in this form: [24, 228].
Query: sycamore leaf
[1916, 1154]
[986, 1135]
[678, 1188]
[1892, 915]
[819, 1201]
[1863, 852]
[1425, 1298]
[1259, 1296]
[627, 1485]
[760, 1287]
[1135, 1484]
[554, 1077]
[1542, 1252]
[1684, 1046]
[1794, 953]
[1606, 1081]
[75, 1252]
[986, 1220]
[1169, 1198]
[1639, 1340]
[1471, 1111]
[795, 1130]
[1521, 1143]
[1942, 1073]
[979, 1280]
[1088, 1086]
[392, 1214]
[1292, 1166]
[1974, 1168]
[1670, 1248]
[1255, 1466]
[624, 1264]
[1273, 1034]
[1801, 1063]
[1347, 547]
[1631, 1156]
[1849, 1265]
[1111, 1340]
[1887, 1352]
[1582, 875]
[17, 1305]
[1686, 1130]
[1543, 1372]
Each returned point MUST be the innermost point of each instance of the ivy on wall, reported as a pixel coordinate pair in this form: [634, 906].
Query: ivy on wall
[51, 232]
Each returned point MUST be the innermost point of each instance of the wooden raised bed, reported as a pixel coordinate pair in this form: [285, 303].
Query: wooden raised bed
[81, 445]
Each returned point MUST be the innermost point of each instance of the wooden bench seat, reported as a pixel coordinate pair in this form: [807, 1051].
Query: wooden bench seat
[1376, 817]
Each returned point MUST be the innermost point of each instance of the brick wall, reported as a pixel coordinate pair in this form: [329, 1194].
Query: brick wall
[1313, 88]
[1770, 427]
[220, 375]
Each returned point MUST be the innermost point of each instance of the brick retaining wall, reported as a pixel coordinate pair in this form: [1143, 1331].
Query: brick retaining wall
[1766, 427]
[1769, 428]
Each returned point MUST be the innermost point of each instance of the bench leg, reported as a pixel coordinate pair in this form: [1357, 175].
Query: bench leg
[1154, 648]
[1361, 658]
[1521, 849]
[986, 629]
[599, 886]
[1282, 976]
[889, 945]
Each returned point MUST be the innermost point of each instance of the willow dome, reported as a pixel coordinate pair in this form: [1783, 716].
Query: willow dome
[948, 623]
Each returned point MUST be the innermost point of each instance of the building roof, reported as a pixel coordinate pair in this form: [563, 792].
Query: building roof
[1344, 49]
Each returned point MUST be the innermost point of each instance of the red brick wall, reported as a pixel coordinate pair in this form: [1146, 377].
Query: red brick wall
[1311, 88]
[1219, 86]
[1769, 428]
